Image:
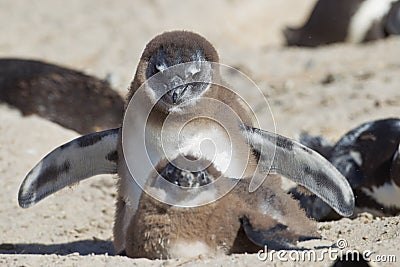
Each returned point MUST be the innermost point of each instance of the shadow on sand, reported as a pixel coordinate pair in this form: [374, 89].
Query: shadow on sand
[83, 247]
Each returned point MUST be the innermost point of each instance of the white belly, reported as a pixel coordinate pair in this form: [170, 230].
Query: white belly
[369, 12]
[190, 249]
[387, 195]
[210, 142]
[225, 148]
[145, 149]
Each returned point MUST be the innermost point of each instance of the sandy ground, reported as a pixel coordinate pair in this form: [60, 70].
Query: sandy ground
[323, 91]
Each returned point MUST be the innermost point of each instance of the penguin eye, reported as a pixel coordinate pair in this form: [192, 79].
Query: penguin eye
[156, 67]
[157, 63]
[160, 67]
[152, 69]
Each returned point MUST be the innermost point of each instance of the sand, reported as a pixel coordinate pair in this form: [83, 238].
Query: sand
[327, 91]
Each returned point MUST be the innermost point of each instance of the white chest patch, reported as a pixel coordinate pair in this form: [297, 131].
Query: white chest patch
[205, 139]
[368, 12]
[208, 141]
[184, 249]
[387, 195]
[211, 143]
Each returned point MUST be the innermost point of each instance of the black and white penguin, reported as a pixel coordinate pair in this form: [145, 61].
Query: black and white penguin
[368, 156]
[354, 21]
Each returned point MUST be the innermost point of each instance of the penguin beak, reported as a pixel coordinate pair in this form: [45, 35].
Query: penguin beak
[178, 92]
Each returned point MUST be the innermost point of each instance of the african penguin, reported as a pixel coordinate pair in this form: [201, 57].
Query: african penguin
[368, 156]
[176, 79]
[238, 222]
[354, 21]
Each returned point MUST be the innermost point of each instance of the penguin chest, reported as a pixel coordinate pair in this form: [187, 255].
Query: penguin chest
[225, 148]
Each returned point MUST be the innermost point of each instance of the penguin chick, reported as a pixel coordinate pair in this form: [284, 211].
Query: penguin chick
[239, 222]
[177, 87]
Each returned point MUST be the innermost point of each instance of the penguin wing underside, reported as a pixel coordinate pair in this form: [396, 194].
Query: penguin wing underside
[70, 163]
[302, 165]
[270, 217]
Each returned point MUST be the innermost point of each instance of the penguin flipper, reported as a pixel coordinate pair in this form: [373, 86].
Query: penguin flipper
[273, 218]
[278, 154]
[70, 163]
[277, 237]
[313, 206]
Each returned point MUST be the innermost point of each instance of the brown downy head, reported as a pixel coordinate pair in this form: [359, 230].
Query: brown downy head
[175, 86]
